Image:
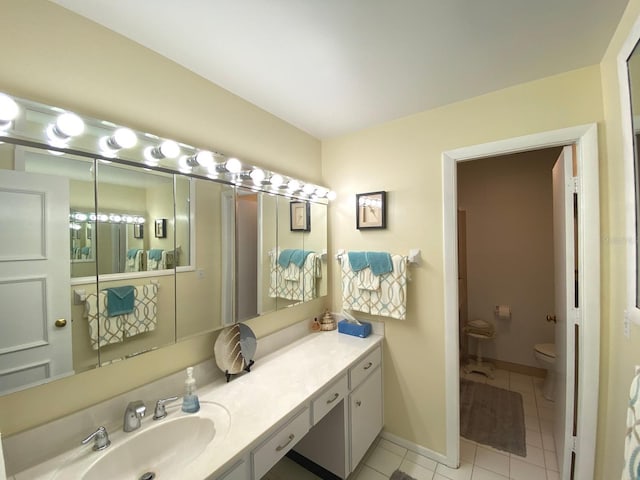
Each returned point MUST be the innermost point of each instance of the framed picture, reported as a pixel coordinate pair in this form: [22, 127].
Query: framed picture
[138, 230]
[299, 215]
[161, 228]
[371, 210]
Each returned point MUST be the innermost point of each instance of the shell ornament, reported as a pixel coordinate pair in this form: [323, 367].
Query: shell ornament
[234, 349]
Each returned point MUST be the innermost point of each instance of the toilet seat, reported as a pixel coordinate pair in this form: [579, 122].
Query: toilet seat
[546, 349]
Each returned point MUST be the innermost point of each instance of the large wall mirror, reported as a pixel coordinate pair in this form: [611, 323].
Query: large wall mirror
[103, 258]
[629, 81]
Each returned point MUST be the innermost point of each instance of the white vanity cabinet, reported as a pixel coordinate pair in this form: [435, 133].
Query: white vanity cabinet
[365, 415]
[240, 471]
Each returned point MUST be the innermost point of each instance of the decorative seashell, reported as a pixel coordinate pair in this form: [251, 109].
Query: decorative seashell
[234, 349]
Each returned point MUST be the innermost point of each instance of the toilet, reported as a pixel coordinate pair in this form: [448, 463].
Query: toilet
[545, 353]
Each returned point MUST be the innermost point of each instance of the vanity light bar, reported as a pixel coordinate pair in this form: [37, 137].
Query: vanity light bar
[133, 219]
[24, 119]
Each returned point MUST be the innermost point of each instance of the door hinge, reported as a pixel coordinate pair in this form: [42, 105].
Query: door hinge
[575, 184]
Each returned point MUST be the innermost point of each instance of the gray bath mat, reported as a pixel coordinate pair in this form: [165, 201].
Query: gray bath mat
[399, 475]
[492, 416]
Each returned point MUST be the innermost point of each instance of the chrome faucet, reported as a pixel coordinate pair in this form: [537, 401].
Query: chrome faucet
[101, 438]
[160, 411]
[132, 416]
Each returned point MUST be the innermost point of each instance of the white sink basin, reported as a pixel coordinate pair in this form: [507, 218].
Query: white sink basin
[164, 448]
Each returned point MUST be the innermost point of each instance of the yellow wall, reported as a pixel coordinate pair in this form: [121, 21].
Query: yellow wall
[619, 355]
[407, 154]
[64, 60]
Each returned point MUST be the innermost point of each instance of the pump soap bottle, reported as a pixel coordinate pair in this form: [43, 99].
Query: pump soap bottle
[190, 402]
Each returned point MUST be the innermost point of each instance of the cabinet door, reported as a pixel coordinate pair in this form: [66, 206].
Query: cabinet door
[365, 408]
[238, 472]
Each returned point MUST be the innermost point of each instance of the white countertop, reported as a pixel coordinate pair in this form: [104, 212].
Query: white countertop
[279, 385]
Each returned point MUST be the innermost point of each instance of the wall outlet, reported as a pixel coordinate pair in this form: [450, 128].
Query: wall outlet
[627, 325]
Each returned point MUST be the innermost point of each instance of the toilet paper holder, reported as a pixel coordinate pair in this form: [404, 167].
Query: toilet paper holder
[502, 312]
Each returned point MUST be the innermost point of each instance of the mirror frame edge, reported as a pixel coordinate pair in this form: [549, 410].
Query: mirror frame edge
[632, 311]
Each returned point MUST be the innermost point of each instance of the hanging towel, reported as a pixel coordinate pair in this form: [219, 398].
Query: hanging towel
[631, 470]
[134, 264]
[156, 259]
[103, 330]
[379, 262]
[284, 259]
[357, 260]
[292, 282]
[143, 319]
[367, 280]
[391, 299]
[132, 252]
[155, 254]
[120, 300]
[298, 257]
[353, 298]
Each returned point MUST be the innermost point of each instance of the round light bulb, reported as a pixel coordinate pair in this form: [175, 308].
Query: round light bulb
[233, 165]
[294, 185]
[205, 158]
[331, 195]
[80, 217]
[321, 192]
[9, 109]
[276, 180]
[169, 149]
[124, 138]
[308, 189]
[69, 125]
[257, 175]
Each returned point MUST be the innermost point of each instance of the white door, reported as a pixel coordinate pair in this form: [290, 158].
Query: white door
[564, 261]
[35, 316]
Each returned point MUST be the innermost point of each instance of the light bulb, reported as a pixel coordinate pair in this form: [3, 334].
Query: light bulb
[169, 149]
[257, 175]
[205, 158]
[80, 217]
[233, 165]
[308, 189]
[121, 138]
[8, 111]
[294, 185]
[321, 192]
[69, 125]
[331, 195]
[276, 180]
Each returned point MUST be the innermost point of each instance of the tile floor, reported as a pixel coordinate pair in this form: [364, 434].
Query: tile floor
[477, 462]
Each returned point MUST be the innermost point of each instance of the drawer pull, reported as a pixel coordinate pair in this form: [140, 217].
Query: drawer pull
[284, 445]
[358, 403]
[368, 366]
[334, 398]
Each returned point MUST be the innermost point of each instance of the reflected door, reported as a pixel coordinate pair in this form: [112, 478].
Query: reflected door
[35, 319]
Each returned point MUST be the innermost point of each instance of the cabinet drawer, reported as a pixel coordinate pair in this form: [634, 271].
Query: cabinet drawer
[329, 398]
[267, 455]
[364, 367]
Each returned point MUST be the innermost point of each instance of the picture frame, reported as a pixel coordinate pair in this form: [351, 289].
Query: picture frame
[371, 210]
[138, 230]
[300, 216]
[161, 227]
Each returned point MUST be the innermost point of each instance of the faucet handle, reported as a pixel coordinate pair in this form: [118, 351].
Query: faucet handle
[160, 411]
[101, 438]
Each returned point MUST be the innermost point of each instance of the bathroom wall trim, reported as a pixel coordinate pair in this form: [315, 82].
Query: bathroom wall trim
[585, 137]
[414, 447]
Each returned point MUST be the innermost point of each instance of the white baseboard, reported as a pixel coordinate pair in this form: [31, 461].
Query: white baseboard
[435, 456]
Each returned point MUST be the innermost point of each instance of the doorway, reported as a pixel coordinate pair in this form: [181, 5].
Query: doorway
[587, 317]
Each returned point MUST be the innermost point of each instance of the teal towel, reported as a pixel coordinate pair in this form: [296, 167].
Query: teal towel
[86, 250]
[379, 262]
[298, 257]
[120, 300]
[284, 259]
[132, 252]
[155, 254]
[358, 261]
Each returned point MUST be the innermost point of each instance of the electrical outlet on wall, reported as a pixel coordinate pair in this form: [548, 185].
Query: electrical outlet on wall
[627, 324]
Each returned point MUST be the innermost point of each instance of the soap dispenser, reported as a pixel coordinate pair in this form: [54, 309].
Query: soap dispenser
[190, 402]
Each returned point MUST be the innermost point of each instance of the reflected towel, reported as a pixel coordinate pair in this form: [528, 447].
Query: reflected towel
[132, 252]
[284, 259]
[357, 261]
[298, 257]
[379, 262]
[102, 329]
[155, 254]
[143, 319]
[120, 300]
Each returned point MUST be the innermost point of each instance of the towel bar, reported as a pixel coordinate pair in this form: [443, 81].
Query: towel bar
[413, 258]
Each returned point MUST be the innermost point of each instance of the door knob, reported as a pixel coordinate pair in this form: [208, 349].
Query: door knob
[61, 322]
[552, 318]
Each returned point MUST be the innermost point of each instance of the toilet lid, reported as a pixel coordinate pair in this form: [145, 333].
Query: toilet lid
[548, 349]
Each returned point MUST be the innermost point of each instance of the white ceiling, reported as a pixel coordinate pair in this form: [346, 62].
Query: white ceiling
[334, 66]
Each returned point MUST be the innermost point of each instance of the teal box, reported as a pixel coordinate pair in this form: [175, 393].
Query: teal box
[363, 330]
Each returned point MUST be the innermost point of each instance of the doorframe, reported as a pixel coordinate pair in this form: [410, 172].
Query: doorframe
[585, 137]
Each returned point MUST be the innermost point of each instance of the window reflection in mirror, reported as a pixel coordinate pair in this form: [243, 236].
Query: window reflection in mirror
[633, 65]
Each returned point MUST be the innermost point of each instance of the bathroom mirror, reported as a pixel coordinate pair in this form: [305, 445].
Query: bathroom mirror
[629, 78]
[179, 237]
